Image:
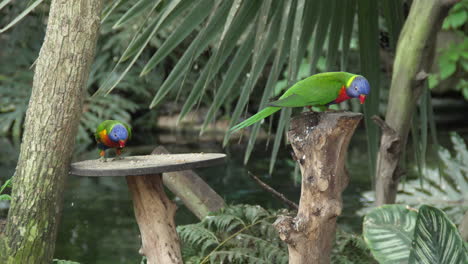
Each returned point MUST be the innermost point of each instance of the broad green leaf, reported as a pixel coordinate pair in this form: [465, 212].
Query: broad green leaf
[348, 23]
[199, 44]
[281, 51]
[259, 59]
[455, 20]
[232, 75]
[139, 40]
[4, 3]
[192, 20]
[393, 13]
[109, 85]
[136, 45]
[109, 9]
[282, 124]
[136, 10]
[436, 239]
[334, 38]
[245, 16]
[370, 68]
[326, 11]
[5, 185]
[388, 232]
[21, 15]
[221, 42]
[447, 70]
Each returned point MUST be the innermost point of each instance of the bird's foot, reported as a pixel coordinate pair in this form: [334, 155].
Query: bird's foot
[118, 158]
[102, 159]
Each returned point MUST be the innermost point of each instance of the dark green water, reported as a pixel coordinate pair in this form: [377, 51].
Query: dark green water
[98, 224]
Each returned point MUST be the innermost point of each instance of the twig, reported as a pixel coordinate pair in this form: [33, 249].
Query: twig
[275, 193]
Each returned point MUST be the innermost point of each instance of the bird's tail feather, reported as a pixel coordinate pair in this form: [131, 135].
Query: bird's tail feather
[255, 118]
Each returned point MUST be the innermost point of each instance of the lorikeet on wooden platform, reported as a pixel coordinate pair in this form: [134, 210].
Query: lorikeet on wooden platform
[112, 134]
[320, 90]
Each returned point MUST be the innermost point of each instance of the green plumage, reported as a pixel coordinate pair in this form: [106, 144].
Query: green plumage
[316, 90]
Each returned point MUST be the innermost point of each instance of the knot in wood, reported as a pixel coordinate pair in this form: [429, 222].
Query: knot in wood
[285, 227]
[332, 209]
[322, 184]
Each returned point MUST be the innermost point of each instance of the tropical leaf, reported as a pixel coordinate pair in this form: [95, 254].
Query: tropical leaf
[17, 19]
[195, 17]
[436, 239]
[369, 58]
[388, 232]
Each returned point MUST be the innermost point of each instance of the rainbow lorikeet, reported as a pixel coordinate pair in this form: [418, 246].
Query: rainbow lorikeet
[112, 134]
[320, 90]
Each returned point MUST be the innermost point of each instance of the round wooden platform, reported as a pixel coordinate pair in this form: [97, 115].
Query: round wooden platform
[146, 165]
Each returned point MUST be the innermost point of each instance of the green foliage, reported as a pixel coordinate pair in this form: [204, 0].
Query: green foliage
[436, 239]
[457, 17]
[454, 58]
[16, 79]
[444, 188]
[396, 234]
[245, 234]
[388, 231]
[7, 184]
[251, 35]
[350, 248]
[236, 234]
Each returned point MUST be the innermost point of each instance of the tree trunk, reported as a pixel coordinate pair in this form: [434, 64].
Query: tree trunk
[198, 196]
[155, 216]
[413, 57]
[320, 142]
[50, 128]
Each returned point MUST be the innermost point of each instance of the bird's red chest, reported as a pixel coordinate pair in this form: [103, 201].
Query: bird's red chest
[108, 142]
[342, 95]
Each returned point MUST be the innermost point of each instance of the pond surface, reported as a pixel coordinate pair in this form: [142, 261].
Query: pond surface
[98, 225]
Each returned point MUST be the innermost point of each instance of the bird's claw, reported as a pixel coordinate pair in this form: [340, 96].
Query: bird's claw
[118, 158]
[102, 159]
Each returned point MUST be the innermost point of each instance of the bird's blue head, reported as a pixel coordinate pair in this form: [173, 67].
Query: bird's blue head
[358, 88]
[119, 134]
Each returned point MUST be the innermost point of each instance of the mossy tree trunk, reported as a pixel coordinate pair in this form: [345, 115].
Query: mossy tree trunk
[50, 128]
[413, 59]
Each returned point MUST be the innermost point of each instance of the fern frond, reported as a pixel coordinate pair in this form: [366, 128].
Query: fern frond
[237, 255]
[197, 236]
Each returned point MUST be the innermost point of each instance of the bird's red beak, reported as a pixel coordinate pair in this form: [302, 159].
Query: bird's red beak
[362, 98]
[122, 143]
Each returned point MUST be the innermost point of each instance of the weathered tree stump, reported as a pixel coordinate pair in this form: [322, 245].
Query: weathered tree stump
[320, 142]
[154, 211]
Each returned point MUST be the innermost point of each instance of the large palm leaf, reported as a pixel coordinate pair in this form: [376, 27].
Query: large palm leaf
[261, 38]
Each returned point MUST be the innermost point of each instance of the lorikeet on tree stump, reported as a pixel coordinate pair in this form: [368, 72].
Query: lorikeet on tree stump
[320, 90]
[112, 134]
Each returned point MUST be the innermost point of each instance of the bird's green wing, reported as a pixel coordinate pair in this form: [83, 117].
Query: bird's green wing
[319, 89]
[293, 100]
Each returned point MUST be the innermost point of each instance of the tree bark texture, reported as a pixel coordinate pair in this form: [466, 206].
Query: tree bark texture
[155, 213]
[195, 193]
[51, 125]
[320, 142]
[414, 55]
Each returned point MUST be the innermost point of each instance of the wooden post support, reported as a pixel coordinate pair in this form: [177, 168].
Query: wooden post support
[154, 211]
[195, 193]
[320, 142]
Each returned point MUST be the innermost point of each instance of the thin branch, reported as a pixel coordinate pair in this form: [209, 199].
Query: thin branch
[275, 193]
